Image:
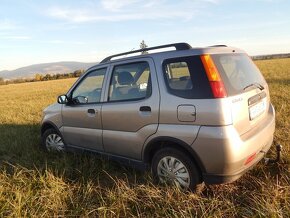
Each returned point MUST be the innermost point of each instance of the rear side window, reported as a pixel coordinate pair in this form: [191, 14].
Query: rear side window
[237, 72]
[178, 76]
[185, 77]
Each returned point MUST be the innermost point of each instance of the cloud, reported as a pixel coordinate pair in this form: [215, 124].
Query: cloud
[213, 1]
[57, 41]
[125, 5]
[117, 5]
[16, 37]
[6, 24]
[80, 16]
[126, 10]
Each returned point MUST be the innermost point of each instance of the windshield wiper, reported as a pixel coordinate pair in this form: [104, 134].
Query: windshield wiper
[257, 85]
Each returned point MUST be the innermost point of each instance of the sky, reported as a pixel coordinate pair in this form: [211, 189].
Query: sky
[33, 32]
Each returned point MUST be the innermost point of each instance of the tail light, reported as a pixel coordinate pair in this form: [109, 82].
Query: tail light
[216, 83]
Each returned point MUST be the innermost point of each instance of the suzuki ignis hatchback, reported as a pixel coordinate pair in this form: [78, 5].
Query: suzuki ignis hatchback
[193, 115]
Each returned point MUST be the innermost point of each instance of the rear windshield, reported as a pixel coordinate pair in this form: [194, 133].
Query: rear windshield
[237, 71]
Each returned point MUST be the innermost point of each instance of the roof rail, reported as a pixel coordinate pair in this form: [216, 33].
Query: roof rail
[218, 46]
[178, 46]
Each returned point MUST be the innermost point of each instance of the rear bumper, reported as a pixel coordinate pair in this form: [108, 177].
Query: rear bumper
[218, 179]
[224, 153]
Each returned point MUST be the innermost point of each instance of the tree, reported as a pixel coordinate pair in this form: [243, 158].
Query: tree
[47, 77]
[38, 77]
[2, 82]
[143, 46]
[78, 73]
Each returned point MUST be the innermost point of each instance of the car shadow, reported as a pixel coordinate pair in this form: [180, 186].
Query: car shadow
[20, 146]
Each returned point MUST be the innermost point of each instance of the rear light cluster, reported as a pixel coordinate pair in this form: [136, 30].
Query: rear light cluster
[216, 83]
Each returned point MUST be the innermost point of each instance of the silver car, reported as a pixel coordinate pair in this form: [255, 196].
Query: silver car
[193, 115]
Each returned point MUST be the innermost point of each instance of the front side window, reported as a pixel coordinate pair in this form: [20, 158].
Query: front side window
[130, 82]
[90, 88]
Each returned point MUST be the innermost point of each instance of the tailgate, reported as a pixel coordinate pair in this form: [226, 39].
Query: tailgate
[249, 109]
[247, 90]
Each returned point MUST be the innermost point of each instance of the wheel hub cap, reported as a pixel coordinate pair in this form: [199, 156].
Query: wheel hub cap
[172, 170]
[54, 142]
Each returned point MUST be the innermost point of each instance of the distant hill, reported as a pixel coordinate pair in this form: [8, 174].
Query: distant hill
[47, 68]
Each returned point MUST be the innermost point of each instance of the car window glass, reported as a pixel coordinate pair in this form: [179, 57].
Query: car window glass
[178, 76]
[237, 71]
[130, 82]
[90, 88]
[185, 77]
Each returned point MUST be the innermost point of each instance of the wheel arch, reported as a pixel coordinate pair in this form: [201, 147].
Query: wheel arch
[165, 141]
[49, 125]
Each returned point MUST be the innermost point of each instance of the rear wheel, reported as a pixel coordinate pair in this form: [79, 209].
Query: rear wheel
[171, 166]
[52, 141]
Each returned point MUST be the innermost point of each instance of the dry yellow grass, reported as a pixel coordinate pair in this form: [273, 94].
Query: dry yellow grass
[23, 103]
[36, 184]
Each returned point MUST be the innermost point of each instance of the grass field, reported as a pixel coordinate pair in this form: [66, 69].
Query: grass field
[37, 184]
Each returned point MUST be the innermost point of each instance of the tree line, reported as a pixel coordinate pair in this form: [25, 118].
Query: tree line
[40, 77]
[272, 56]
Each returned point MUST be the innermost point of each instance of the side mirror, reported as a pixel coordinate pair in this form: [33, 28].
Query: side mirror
[80, 100]
[62, 99]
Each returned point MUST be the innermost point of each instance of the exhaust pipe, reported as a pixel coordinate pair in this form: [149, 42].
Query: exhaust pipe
[278, 156]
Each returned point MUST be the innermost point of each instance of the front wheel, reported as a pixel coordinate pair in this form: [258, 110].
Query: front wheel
[172, 166]
[52, 141]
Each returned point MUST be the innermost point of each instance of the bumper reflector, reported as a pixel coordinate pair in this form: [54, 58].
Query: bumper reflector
[250, 158]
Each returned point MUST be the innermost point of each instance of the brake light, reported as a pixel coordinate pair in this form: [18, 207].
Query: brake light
[216, 83]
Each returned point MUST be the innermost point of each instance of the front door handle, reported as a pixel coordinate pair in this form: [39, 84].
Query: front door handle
[91, 111]
[145, 108]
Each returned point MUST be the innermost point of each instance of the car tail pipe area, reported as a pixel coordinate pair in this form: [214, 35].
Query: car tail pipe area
[278, 156]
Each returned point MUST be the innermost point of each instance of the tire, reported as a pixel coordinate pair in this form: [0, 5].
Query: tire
[52, 141]
[172, 166]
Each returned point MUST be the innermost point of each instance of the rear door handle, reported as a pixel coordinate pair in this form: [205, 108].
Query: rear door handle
[91, 111]
[145, 108]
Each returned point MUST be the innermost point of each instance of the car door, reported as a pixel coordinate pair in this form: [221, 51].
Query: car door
[82, 125]
[130, 113]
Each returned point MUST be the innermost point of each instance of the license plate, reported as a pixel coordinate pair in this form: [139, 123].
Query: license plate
[258, 109]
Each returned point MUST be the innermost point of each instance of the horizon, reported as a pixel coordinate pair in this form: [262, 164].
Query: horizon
[54, 62]
[90, 30]
[96, 62]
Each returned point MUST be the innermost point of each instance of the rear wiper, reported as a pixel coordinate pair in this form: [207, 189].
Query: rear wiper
[257, 85]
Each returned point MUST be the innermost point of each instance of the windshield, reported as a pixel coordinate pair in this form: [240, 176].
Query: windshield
[237, 71]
